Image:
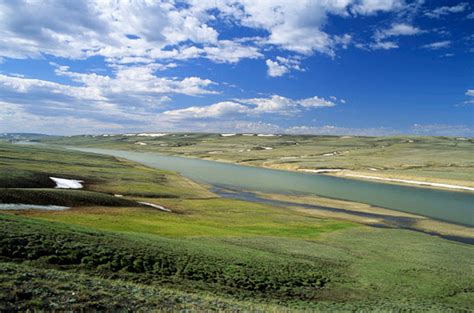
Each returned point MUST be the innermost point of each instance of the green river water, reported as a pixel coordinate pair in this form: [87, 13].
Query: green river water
[452, 206]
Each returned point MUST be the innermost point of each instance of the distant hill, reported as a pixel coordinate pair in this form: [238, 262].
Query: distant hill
[23, 136]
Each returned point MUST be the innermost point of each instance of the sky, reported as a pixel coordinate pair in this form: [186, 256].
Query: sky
[352, 67]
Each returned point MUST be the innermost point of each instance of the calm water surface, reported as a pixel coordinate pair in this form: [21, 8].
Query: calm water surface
[450, 206]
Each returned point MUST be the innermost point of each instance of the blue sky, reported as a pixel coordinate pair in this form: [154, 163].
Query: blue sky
[360, 67]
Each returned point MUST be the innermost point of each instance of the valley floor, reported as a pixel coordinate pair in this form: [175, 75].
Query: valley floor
[209, 253]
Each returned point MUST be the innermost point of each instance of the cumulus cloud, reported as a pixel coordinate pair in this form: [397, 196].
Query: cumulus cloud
[219, 109]
[446, 10]
[275, 104]
[128, 97]
[145, 31]
[275, 69]
[282, 65]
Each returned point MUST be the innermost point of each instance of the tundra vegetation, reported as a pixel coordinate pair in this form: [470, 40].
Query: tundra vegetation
[209, 253]
[445, 160]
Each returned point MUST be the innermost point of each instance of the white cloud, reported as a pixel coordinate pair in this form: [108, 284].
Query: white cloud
[367, 7]
[383, 45]
[212, 111]
[437, 45]
[275, 69]
[282, 65]
[398, 29]
[130, 97]
[338, 130]
[249, 107]
[442, 130]
[445, 10]
[125, 32]
[470, 93]
[146, 31]
[470, 16]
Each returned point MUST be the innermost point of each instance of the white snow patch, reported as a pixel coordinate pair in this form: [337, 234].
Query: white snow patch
[267, 148]
[228, 135]
[288, 158]
[152, 134]
[266, 135]
[141, 143]
[118, 196]
[324, 170]
[156, 206]
[248, 134]
[345, 137]
[67, 183]
[329, 154]
[373, 169]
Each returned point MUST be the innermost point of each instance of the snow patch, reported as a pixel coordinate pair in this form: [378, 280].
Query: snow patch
[228, 135]
[141, 143]
[266, 135]
[67, 183]
[156, 206]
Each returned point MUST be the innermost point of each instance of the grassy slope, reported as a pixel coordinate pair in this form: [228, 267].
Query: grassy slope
[436, 159]
[231, 249]
[30, 166]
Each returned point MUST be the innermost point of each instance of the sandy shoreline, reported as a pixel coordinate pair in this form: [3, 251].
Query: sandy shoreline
[409, 181]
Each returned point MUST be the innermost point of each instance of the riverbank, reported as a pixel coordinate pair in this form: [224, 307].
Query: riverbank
[434, 160]
[372, 215]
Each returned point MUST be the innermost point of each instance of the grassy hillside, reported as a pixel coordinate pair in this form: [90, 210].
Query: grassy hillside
[434, 159]
[207, 254]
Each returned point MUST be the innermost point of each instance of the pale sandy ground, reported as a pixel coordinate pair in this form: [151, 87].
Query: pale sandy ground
[410, 182]
[422, 223]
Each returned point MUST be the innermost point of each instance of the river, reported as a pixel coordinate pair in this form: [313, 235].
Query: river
[451, 206]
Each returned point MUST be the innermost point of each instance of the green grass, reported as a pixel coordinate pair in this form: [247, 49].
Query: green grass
[61, 197]
[31, 167]
[208, 254]
[49, 289]
[193, 218]
[189, 264]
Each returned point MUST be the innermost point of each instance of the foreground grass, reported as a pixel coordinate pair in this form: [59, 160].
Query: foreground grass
[50, 289]
[354, 269]
[434, 159]
[198, 218]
